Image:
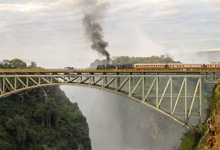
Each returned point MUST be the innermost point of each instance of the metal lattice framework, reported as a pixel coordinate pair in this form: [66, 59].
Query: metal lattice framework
[176, 96]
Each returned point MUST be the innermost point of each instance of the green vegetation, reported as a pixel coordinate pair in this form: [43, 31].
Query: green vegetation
[152, 59]
[132, 60]
[190, 140]
[34, 121]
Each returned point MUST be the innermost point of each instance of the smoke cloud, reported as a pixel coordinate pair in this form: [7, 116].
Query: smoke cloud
[93, 15]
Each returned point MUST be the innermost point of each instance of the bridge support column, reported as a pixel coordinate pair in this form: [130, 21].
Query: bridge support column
[157, 91]
[39, 80]
[193, 99]
[3, 86]
[171, 94]
[186, 109]
[117, 83]
[27, 81]
[143, 89]
[200, 103]
[15, 83]
[130, 85]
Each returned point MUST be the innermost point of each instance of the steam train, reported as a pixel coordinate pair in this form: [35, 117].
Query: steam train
[112, 66]
[160, 66]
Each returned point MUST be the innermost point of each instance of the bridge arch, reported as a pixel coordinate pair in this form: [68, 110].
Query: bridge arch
[12, 84]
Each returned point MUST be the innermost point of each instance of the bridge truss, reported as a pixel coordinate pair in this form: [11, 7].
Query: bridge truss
[176, 96]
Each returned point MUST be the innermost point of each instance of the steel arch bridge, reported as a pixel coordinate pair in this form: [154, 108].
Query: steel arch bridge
[177, 96]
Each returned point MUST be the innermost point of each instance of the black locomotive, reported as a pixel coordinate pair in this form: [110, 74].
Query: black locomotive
[117, 66]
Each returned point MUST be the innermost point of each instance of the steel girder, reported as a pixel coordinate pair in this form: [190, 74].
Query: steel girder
[145, 89]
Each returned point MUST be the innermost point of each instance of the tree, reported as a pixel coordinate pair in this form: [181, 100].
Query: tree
[48, 113]
[32, 65]
[17, 63]
[22, 134]
[5, 64]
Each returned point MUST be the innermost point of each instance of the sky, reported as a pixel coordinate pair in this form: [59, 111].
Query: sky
[50, 32]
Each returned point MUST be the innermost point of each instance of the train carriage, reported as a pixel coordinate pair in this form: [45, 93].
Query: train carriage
[161, 66]
[184, 66]
[213, 66]
[150, 66]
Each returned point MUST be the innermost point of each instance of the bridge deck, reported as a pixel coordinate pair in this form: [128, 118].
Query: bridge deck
[3, 71]
[36, 70]
[147, 71]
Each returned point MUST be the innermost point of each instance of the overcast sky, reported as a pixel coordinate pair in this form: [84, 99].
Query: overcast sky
[50, 32]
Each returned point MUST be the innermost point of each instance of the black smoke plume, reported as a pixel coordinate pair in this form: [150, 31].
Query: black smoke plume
[93, 15]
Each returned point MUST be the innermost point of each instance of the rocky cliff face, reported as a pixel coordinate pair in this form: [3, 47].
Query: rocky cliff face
[212, 137]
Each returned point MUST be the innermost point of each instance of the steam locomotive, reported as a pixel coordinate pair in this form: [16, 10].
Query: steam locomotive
[117, 66]
[160, 66]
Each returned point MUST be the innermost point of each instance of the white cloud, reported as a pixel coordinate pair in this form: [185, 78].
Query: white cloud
[130, 27]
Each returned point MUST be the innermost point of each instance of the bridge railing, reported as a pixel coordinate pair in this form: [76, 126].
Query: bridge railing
[35, 70]
[150, 70]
